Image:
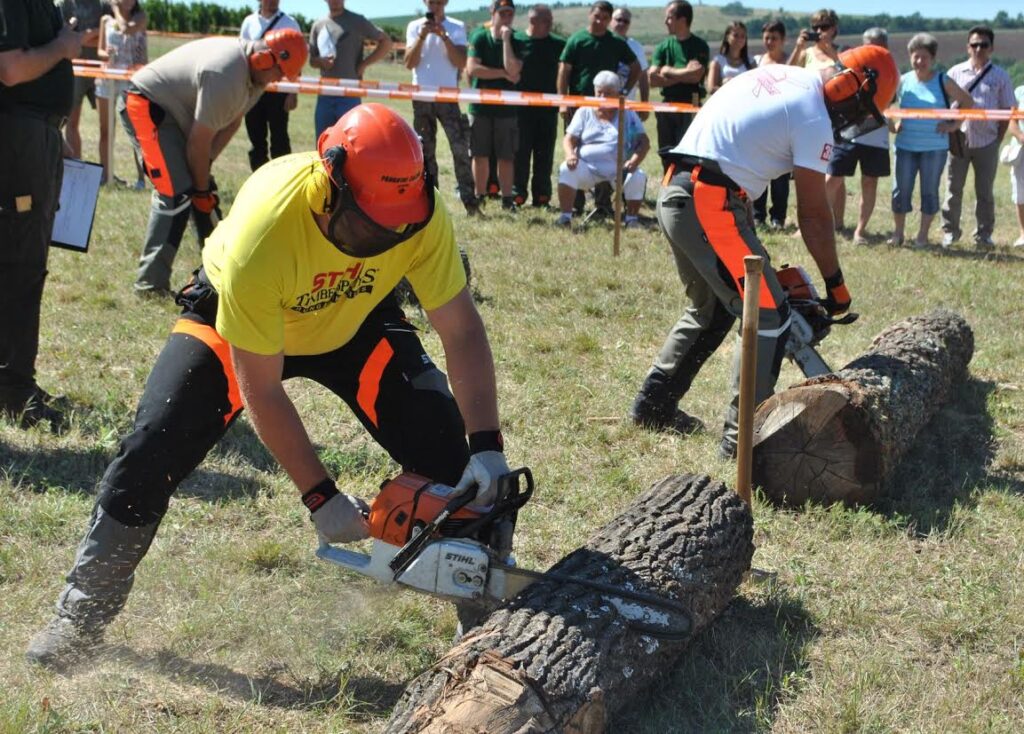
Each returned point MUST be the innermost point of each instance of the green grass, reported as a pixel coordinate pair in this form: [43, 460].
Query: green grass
[901, 617]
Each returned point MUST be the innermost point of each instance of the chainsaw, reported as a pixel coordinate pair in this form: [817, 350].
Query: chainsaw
[426, 538]
[810, 322]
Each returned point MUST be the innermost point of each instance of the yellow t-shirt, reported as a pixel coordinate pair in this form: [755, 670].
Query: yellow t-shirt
[283, 286]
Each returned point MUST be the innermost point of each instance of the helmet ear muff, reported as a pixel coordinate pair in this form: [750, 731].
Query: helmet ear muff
[842, 86]
[321, 192]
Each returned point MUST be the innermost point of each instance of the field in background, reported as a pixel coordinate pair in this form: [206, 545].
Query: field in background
[901, 617]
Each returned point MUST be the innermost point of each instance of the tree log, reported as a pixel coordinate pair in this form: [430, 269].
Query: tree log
[560, 657]
[836, 437]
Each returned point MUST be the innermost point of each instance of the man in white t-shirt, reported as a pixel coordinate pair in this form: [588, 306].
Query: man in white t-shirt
[435, 52]
[871, 151]
[790, 122]
[270, 113]
[622, 18]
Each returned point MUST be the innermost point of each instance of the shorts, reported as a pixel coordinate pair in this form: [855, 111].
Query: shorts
[85, 86]
[110, 88]
[1017, 182]
[497, 136]
[874, 161]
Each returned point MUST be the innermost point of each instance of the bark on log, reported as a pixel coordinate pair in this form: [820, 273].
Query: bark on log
[559, 657]
[836, 437]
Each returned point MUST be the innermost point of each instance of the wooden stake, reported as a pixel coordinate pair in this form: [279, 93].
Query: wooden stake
[619, 151]
[753, 266]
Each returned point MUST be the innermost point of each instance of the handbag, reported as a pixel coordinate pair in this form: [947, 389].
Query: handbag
[958, 138]
[1010, 154]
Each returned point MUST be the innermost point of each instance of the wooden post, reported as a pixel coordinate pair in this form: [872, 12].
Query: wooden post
[111, 128]
[752, 266]
[619, 151]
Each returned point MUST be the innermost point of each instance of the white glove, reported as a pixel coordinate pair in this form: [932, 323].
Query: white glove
[341, 520]
[482, 471]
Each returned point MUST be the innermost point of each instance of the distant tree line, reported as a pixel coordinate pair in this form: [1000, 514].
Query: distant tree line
[855, 24]
[200, 17]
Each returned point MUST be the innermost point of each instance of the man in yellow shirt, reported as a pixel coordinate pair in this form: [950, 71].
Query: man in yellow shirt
[297, 282]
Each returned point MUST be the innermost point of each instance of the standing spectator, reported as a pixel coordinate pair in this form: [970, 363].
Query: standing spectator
[820, 52]
[122, 46]
[36, 86]
[773, 35]
[921, 145]
[494, 64]
[990, 87]
[678, 66]
[732, 58]
[336, 49]
[87, 14]
[181, 111]
[622, 19]
[435, 52]
[538, 126]
[270, 113]
[871, 151]
[1017, 169]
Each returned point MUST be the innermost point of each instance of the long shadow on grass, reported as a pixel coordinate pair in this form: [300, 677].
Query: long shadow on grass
[951, 458]
[735, 675]
[360, 696]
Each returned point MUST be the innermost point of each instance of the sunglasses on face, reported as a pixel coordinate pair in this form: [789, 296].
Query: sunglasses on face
[821, 28]
[980, 45]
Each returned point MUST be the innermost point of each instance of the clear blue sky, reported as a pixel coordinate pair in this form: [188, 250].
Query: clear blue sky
[975, 9]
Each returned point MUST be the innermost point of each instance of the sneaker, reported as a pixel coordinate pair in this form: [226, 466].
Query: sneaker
[950, 238]
[563, 220]
[472, 205]
[632, 223]
[777, 224]
[681, 422]
[984, 243]
[508, 204]
[39, 406]
[62, 645]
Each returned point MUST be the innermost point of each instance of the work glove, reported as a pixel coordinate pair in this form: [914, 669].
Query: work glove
[205, 201]
[838, 296]
[486, 465]
[338, 517]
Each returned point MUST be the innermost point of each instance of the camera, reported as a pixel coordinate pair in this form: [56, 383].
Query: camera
[812, 35]
[430, 17]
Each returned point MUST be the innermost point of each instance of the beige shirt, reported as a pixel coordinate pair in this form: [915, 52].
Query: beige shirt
[206, 80]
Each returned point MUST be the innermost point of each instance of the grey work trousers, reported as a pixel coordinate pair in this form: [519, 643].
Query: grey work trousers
[710, 231]
[985, 161]
[30, 182]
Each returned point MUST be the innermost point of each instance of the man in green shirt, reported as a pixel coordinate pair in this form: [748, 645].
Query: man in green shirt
[678, 66]
[538, 126]
[493, 62]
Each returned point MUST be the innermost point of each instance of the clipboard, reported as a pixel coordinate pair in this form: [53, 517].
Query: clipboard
[72, 227]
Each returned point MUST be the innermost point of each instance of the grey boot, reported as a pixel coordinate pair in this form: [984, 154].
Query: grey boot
[97, 589]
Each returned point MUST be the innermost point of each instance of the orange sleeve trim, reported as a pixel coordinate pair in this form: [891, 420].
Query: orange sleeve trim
[723, 235]
[145, 132]
[369, 379]
[209, 336]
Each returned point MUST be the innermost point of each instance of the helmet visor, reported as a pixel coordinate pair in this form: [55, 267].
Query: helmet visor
[356, 234]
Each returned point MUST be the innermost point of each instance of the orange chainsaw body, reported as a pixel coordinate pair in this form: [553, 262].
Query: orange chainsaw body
[796, 283]
[407, 501]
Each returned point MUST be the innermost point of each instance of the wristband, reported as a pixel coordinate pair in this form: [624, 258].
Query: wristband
[486, 441]
[315, 498]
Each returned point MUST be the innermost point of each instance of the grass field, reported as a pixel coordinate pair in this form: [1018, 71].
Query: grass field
[900, 617]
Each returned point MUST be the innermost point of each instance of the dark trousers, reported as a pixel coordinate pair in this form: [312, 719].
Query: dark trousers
[267, 114]
[191, 397]
[538, 128]
[779, 189]
[672, 126]
[30, 185]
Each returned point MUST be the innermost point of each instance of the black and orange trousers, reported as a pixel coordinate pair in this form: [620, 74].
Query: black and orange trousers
[709, 227]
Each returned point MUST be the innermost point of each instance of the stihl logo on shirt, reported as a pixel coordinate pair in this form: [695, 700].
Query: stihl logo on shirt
[826, 152]
[330, 287]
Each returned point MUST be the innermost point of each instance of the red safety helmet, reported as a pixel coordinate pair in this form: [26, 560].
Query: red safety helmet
[382, 164]
[861, 91]
[285, 47]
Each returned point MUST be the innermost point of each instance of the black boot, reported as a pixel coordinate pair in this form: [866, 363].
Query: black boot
[656, 406]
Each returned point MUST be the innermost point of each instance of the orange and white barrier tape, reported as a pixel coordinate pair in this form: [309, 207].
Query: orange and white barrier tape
[393, 90]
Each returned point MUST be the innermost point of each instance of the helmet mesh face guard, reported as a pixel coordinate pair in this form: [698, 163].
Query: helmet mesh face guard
[857, 114]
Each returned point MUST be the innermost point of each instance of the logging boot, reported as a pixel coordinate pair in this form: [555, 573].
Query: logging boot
[656, 406]
[97, 589]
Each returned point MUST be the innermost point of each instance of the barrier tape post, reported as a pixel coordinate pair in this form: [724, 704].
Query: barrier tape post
[620, 149]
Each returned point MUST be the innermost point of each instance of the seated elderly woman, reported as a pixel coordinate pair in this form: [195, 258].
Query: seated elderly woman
[590, 146]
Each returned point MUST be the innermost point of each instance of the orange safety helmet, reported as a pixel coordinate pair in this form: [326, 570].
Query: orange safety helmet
[287, 48]
[861, 91]
[381, 161]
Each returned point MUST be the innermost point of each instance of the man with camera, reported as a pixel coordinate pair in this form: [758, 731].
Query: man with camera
[435, 52]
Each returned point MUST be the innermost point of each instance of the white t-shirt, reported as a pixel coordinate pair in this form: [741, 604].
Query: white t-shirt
[434, 69]
[255, 25]
[784, 124]
[599, 138]
[728, 71]
[623, 71]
